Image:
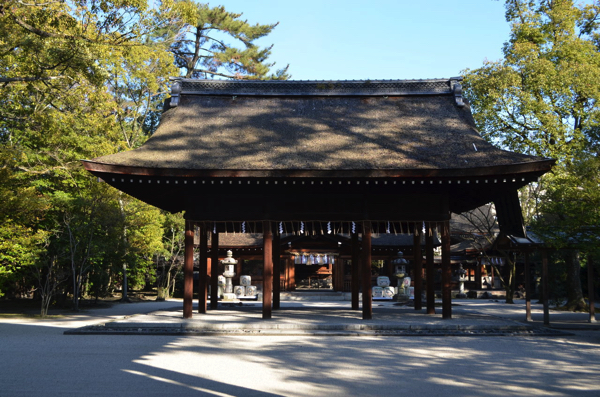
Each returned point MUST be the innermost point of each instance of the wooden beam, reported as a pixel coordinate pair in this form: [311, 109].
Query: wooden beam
[267, 270]
[590, 265]
[202, 274]
[355, 273]
[527, 289]
[429, 270]
[446, 272]
[214, 271]
[545, 291]
[276, 268]
[367, 293]
[188, 270]
[418, 259]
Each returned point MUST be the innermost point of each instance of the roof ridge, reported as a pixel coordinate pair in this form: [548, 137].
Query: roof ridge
[449, 86]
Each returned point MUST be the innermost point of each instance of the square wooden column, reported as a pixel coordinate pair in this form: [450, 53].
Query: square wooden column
[276, 268]
[446, 272]
[418, 273]
[367, 293]
[355, 273]
[527, 289]
[545, 291]
[214, 270]
[202, 274]
[430, 270]
[267, 270]
[188, 270]
[590, 265]
[291, 274]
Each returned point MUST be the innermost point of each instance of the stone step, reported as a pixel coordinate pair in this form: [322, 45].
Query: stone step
[315, 296]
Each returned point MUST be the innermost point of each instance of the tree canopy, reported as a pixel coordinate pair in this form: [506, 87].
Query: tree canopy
[203, 52]
[543, 99]
[81, 79]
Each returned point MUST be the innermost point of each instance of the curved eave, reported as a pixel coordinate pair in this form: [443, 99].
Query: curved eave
[536, 168]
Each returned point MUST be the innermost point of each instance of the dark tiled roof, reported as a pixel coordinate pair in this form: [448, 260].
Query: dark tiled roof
[394, 125]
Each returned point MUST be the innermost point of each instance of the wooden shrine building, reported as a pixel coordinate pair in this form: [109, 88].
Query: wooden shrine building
[353, 157]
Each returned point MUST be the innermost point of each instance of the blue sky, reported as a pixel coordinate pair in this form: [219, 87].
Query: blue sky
[378, 39]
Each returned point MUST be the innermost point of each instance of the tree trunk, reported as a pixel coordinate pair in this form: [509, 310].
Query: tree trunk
[575, 299]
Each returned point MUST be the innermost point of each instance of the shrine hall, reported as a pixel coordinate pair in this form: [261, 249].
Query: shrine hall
[361, 159]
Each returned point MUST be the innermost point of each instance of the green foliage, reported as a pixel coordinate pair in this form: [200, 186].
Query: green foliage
[571, 205]
[21, 207]
[144, 237]
[202, 50]
[77, 79]
[84, 78]
[542, 97]
[169, 259]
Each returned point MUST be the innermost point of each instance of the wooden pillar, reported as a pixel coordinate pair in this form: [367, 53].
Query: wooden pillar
[286, 273]
[527, 289]
[367, 293]
[590, 264]
[418, 259]
[276, 268]
[188, 270]
[267, 270]
[355, 274]
[545, 291]
[430, 270]
[446, 272]
[292, 275]
[202, 274]
[338, 275]
[214, 270]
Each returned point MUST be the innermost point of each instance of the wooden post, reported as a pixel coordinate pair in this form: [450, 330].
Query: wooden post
[430, 270]
[338, 275]
[418, 273]
[276, 268]
[292, 275]
[367, 293]
[590, 264]
[545, 291]
[214, 271]
[446, 272]
[527, 289]
[203, 266]
[188, 270]
[267, 270]
[355, 274]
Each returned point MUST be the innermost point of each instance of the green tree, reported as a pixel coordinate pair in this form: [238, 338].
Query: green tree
[202, 50]
[542, 99]
[21, 238]
[76, 81]
[169, 260]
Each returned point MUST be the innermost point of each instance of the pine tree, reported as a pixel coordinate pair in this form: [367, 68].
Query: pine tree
[202, 50]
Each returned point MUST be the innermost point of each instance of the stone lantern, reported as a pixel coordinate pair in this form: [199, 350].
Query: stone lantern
[229, 272]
